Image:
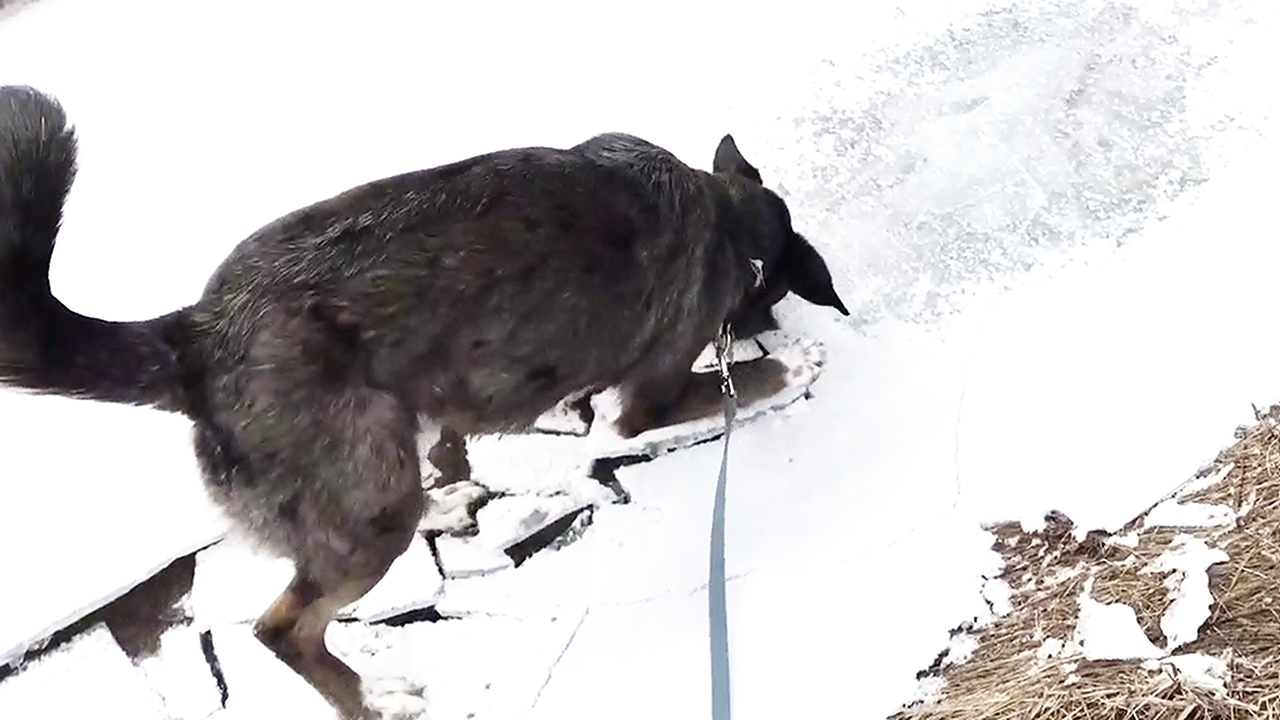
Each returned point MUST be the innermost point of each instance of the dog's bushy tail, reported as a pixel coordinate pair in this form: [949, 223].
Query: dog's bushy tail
[45, 347]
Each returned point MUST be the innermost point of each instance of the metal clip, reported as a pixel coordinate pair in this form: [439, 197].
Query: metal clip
[724, 358]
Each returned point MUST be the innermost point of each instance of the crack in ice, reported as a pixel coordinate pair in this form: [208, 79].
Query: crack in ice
[556, 663]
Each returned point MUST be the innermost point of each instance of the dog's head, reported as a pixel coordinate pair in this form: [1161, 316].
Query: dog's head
[789, 262]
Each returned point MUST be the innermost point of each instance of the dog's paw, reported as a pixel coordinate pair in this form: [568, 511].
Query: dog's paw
[782, 377]
[394, 699]
[452, 508]
[804, 361]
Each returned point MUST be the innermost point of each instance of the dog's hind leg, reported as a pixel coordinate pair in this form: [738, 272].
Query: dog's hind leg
[337, 487]
[293, 629]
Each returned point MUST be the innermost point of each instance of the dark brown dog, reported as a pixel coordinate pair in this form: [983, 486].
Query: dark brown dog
[475, 295]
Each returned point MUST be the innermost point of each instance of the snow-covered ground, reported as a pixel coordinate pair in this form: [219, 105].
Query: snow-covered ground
[1050, 220]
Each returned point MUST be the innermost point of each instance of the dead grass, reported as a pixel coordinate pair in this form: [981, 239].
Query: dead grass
[1012, 673]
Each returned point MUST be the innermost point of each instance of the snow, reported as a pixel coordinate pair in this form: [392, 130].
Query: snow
[961, 648]
[1187, 559]
[1204, 480]
[180, 678]
[1110, 631]
[1052, 222]
[1171, 513]
[79, 680]
[1201, 670]
[1174, 510]
[999, 596]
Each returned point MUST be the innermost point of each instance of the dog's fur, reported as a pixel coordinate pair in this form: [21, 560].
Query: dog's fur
[475, 295]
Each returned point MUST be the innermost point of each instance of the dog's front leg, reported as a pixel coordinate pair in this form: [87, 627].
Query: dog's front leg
[449, 457]
[662, 402]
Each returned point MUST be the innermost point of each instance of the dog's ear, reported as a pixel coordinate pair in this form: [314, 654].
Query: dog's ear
[729, 160]
[807, 275]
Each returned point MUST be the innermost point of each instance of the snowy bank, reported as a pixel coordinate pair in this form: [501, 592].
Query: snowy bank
[1172, 616]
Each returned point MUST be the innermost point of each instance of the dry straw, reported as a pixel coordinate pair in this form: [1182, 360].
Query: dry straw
[1010, 674]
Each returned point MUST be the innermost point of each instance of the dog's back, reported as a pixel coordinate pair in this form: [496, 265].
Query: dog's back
[485, 291]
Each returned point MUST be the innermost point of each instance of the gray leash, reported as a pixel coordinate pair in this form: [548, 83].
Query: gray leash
[716, 591]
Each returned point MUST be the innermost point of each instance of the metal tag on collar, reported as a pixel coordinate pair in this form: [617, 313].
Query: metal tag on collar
[757, 266]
